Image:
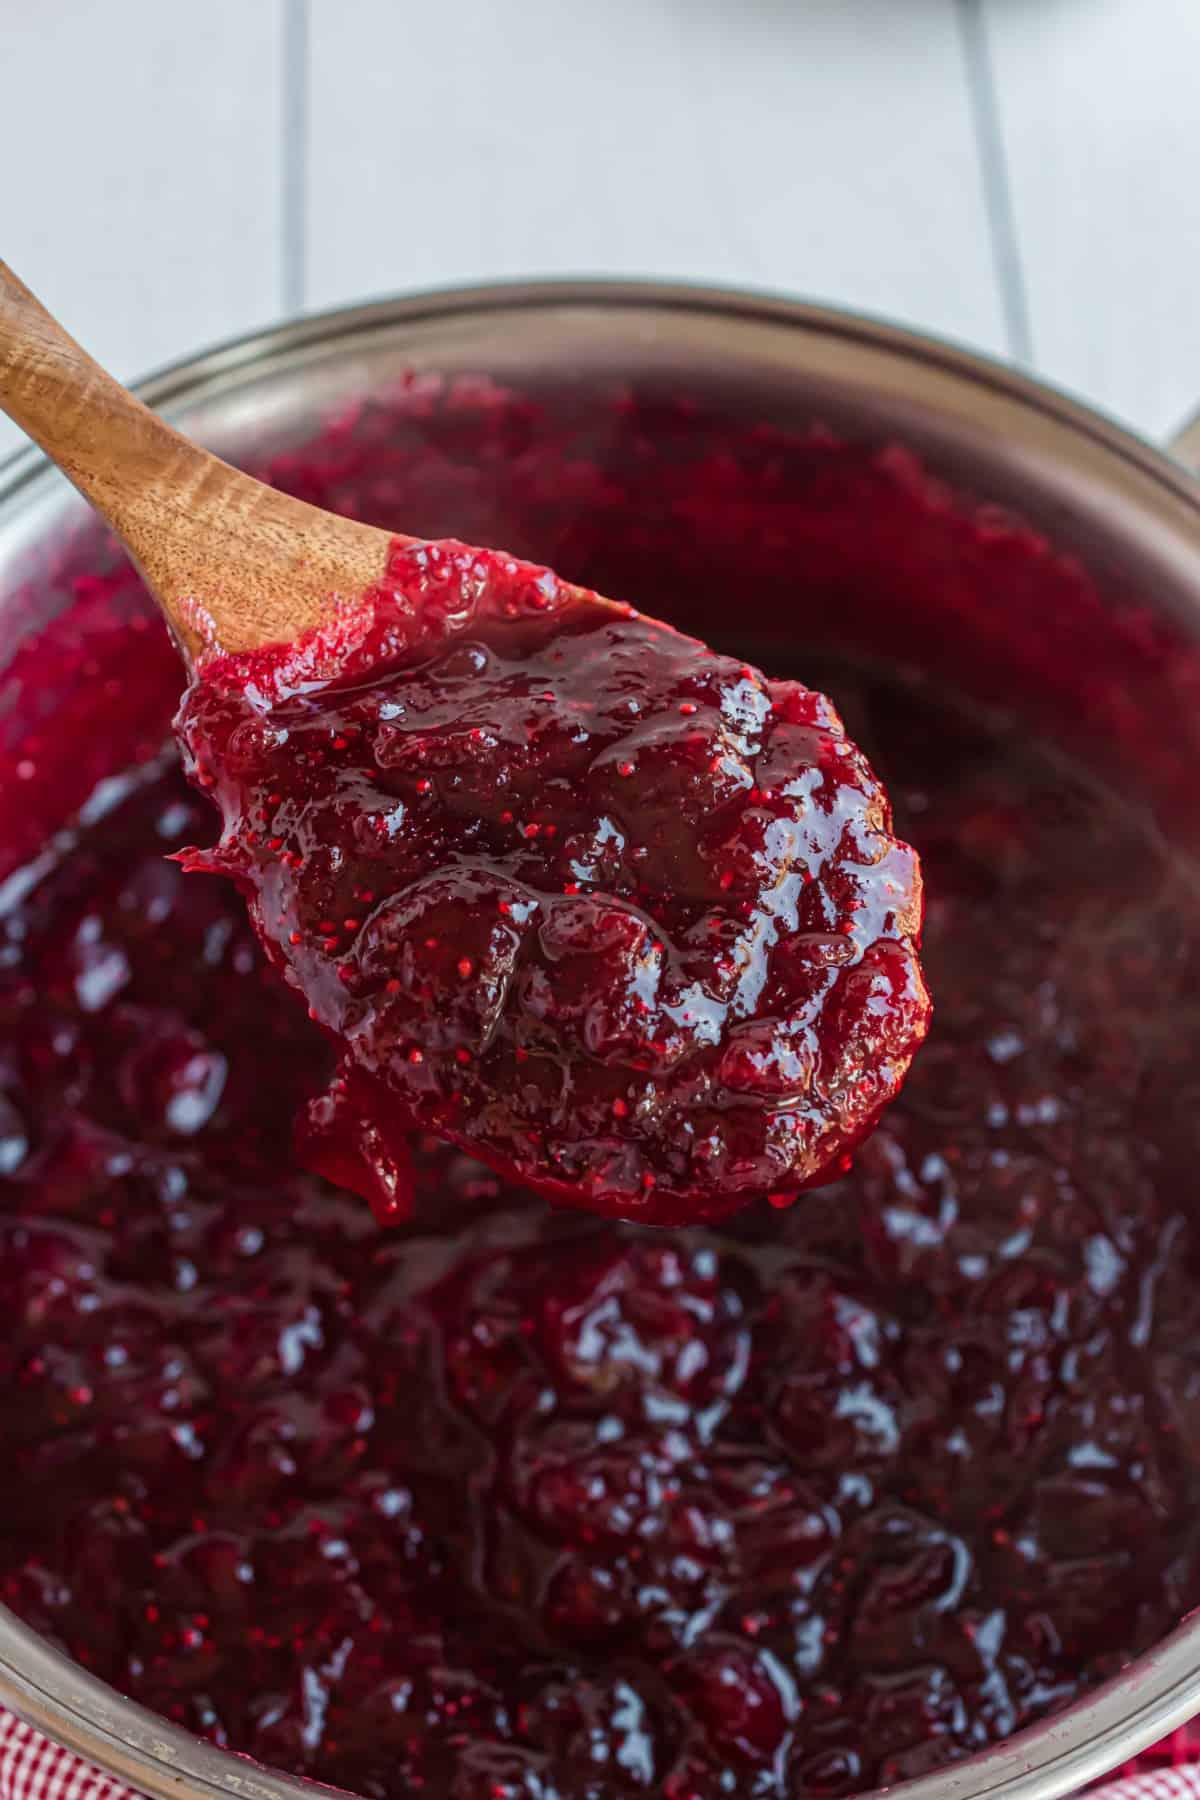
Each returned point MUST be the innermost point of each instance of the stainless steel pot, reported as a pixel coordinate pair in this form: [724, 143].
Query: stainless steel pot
[1124, 505]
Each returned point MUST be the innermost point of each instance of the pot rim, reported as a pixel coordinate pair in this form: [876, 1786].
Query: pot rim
[1154, 1694]
[182, 378]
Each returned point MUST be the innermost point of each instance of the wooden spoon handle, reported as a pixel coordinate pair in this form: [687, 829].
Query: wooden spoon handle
[108, 443]
[233, 564]
[65, 400]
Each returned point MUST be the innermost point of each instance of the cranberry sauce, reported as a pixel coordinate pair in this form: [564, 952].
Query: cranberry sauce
[514, 1504]
[615, 913]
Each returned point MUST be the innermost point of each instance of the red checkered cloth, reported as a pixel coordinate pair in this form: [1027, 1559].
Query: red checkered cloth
[33, 1768]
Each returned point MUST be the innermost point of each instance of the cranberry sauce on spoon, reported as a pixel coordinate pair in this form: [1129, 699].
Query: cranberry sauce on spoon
[617, 914]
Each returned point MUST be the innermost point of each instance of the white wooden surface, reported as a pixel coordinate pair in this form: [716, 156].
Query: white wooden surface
[1099, 104]
[1023, 175]
[141, 169]
[824, 147]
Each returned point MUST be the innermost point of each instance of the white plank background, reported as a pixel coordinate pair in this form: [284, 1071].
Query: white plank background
[142, 147]
[1022, 175]
[1099, 106]
[820, 146]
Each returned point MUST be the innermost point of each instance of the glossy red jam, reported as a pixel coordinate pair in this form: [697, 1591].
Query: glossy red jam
[515, 1504]
[613, 912]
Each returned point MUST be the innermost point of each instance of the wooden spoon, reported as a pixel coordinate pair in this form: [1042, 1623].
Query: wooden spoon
[232, 563]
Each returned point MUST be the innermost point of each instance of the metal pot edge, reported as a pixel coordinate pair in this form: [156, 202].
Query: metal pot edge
[1055, 1757]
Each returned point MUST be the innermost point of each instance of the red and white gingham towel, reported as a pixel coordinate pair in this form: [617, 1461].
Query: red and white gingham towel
[1165, 1782]
[33, 1768]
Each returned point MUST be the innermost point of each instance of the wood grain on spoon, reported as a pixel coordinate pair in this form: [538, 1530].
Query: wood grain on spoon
[233, 564]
